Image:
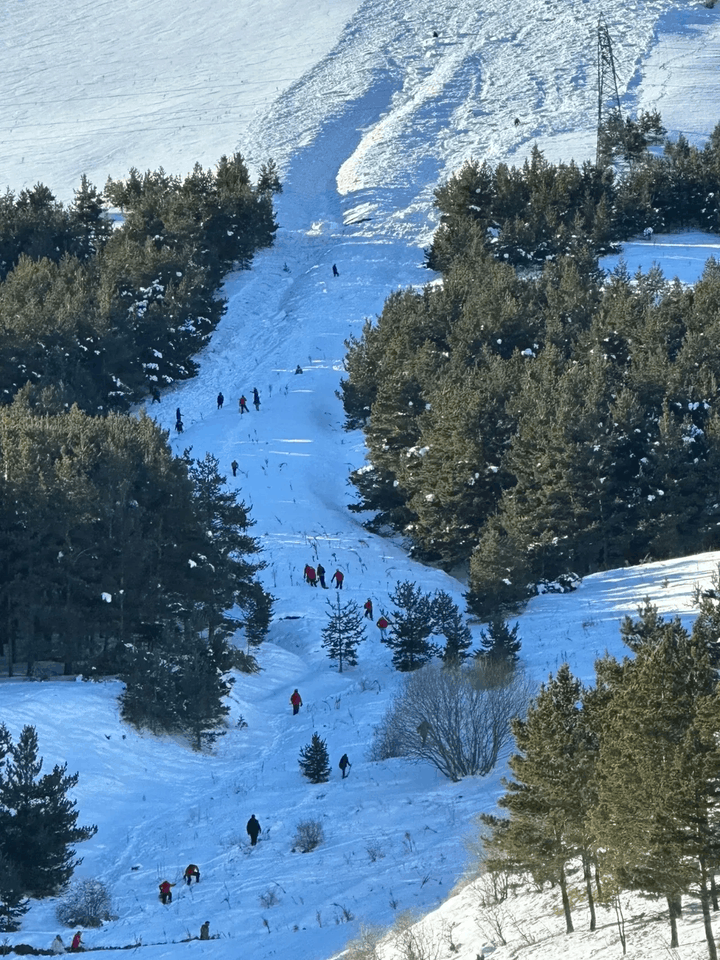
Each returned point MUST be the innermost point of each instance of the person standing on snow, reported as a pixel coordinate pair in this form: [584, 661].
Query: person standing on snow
[220, 401]
[321, 576]
[344, 764]
[367, 607]
[310, 575]
[335, 271]
[205, 931]
[382, 626]
[296, 701]
[338, 577]
[254, 830]
[242, 404]
[165, 891]
[256, 399]
[192, 870]
[76, 944]
[234, 466]
[57, 946]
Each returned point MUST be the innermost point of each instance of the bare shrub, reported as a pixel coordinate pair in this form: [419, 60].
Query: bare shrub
[365, 945]
[412, 939]
[375, 852]
[87, 904]
[457, 719]
[270, 898]
[308, 835]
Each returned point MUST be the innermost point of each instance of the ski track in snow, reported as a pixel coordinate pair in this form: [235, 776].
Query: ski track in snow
[366, 112]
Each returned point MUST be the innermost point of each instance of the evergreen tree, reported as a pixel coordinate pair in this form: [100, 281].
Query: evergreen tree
[411, 624]
[500, 642]
[450, 623]
[654, 822]
[13, 904]
[344, 631]
[201, 690]
[40, 820]
[553, 788]
[314, 761]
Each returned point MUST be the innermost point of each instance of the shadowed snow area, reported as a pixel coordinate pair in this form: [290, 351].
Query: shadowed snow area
[366, 112]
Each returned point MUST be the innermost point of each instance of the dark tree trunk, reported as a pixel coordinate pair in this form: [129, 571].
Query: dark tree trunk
[569, 928]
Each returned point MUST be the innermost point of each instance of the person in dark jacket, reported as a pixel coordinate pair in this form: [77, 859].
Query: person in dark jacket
[155, 395]
[321, 576]
[335, 271]
[256, 399]
[338, 577]
[178, 415]
[192, 870]
[367, 607]
[296, 701]
[234, 466]
[220, 401]
[344, 764]
[254, 830]
[179, 426]
[205, 931]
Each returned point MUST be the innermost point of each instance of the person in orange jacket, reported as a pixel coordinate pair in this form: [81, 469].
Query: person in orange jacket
[166, 892]
[296, 701]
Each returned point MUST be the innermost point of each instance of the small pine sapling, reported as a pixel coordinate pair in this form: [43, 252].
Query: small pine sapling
[343, 633]
[500, 643]
[314, 760]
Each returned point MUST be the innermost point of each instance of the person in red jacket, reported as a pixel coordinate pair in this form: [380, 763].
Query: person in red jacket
[166, 892]
[382, 625]
[242, 404]
[367, 607]
[191, 870]
[310, 575]
[296, 701]
[338, 577]
[76, 944]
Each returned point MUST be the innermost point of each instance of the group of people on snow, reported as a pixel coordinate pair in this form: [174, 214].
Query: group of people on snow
[57, 946]
[312, 574]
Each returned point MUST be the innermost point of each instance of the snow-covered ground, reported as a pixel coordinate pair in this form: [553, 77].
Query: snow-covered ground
[366, 110]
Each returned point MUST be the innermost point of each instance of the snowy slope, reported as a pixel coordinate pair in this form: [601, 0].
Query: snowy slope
[366, 111]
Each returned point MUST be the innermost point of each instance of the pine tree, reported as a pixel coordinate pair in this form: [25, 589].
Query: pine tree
[450, 623]
[553, 788]
[40, 821]
[344, 631]
[13, 904]
[201, 690]
[314, 760]
[500, 642]
[654, 821]
[411, 624]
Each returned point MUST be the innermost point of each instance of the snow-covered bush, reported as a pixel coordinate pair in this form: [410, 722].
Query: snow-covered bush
[308, 835]
[87, 904]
